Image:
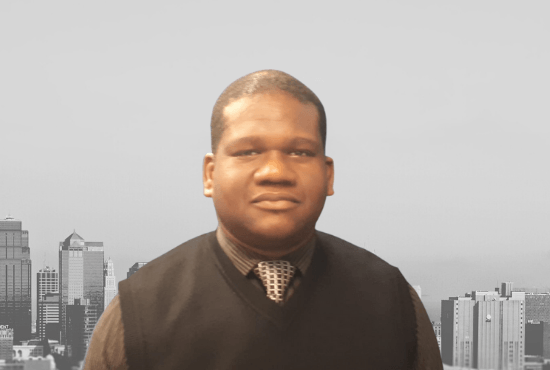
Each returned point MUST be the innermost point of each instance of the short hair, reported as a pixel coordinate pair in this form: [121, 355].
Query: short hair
[261, 82]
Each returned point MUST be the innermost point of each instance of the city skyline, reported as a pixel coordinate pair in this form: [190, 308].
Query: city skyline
[437, 124]
[81, 287]
[491, 325]
[541, 293]
[15, 278]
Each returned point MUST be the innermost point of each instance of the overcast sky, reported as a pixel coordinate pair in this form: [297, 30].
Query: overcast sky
[438, 123]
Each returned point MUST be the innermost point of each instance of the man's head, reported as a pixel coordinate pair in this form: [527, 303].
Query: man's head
[269, 176]
[258, 83]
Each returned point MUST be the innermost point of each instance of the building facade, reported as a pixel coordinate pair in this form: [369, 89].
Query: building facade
[48, 325]
[47, 299]
[109, 281]
[437, 330]
[457, 331]
[484, 330]
[6, 343]
[135, 268]
[537, 339]
[15, 278]
[81, 320]
[537, 307]
[80, 280]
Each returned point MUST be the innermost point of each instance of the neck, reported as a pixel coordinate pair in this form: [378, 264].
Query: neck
[276, 250]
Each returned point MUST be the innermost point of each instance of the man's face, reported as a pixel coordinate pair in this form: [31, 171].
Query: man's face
[270, 177]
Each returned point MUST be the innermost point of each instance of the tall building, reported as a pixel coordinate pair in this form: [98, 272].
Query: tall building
[537, 307]
[81, 320]
[484, 330]
[506, 289]
[134, 268]
[80, 280]
[47, 310]
[48, 316]
[457, 331]
[537, 339]
[6, 343]
[15, 278]
[437, 330]
[109, 281]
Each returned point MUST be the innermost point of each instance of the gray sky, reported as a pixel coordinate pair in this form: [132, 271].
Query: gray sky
[438, 123]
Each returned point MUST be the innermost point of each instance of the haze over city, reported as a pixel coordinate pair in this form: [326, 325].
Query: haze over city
[438, 124]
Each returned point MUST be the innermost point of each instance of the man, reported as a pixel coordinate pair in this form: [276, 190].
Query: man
[266, 290]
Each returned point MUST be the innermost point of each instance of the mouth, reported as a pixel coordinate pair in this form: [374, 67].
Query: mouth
[275, 198]
[276, 201]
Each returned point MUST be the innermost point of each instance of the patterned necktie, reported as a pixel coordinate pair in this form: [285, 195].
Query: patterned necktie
[275, 275]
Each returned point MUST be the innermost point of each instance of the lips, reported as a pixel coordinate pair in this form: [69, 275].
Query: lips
[274, 197]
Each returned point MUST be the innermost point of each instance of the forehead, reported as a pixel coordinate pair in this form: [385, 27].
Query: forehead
[271, 113]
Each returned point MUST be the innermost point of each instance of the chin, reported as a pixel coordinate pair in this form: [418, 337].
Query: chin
[277, 231]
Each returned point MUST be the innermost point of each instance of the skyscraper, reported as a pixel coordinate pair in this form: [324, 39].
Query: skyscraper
[109, 281]
[15, 278]
[437, 331]
[134, 268]
[6, 343]
[80, 281]
[537, 307]
[484, 330]
[80, 323]
[537, 339]
[48, 325]
[47, 310]
[457, 331]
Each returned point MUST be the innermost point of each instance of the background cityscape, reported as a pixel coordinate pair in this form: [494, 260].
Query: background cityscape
[437, 123]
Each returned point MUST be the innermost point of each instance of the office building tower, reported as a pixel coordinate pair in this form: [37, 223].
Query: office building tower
[457, 331]
[80, 280]
[506, 289]
[437, 330]
[134, 268]
[484, 330]
[6, 343]
[15, 278]
[81, 321]
[47, 311]
[537, 307]
[109, 281]
[537, 339]
[48, 325]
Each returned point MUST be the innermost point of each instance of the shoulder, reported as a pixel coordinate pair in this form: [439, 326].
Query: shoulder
[352, 256]
[178, 264]
[175, 257]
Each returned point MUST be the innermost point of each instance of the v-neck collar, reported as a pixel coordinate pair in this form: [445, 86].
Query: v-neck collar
[279, 315]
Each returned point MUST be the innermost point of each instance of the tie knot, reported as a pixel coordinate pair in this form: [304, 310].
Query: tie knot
[276, 276]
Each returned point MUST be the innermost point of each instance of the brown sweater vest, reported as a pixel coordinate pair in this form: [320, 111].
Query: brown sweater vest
[192, 309]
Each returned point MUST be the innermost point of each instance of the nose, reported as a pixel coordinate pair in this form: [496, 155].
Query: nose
[275, 170]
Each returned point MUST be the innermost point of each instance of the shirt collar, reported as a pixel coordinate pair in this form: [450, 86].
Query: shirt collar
[245, 260]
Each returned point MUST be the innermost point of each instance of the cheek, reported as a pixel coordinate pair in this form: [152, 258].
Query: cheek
[228, 190]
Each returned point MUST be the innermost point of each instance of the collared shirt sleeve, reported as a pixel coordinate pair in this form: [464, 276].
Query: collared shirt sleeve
[106, 350]
[428, 355]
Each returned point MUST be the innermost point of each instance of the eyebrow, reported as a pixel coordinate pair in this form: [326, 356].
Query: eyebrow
[255, 140]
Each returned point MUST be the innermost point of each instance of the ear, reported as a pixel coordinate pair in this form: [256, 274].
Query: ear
[208, 175]
[329, 163]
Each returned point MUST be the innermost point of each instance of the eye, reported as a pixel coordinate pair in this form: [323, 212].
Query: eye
[302, 153]
[246, 153]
